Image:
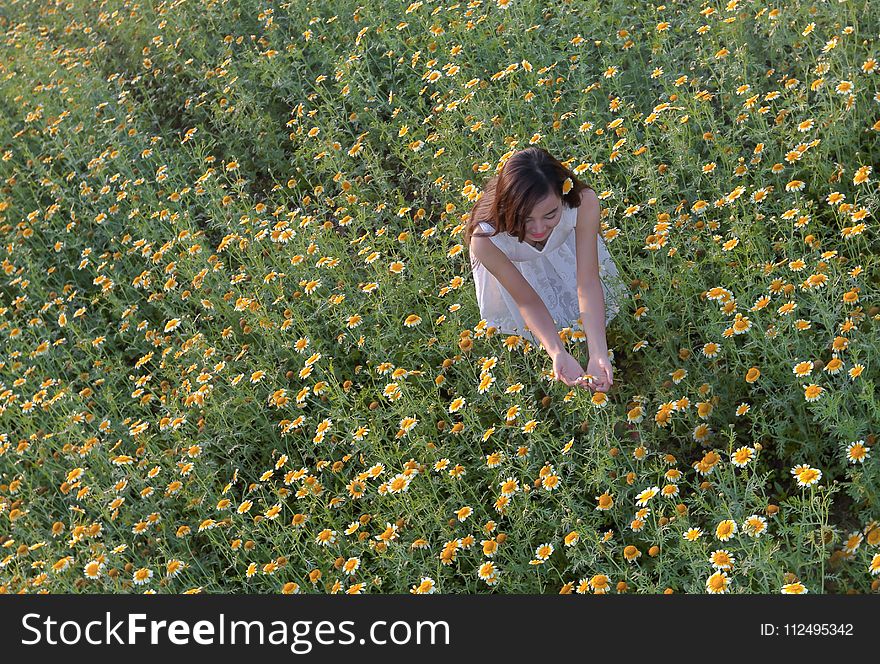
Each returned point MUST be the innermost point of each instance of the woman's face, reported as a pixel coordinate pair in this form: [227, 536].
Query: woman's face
[543, 218]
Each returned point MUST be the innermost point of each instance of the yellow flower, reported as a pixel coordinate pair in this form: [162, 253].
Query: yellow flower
[550, 482]
[857, 452]
[725, 530]
[805, 475]
[566, 186]
[142, 576]
[600, 584]
[755, 525]
[93, 569]
[742, 456]
[606, 502]
[488, 572]
[544, 551]
[717, 583]
[646, 495]
[509, 486]
[721, 559]
[813, 392]
[631, 553]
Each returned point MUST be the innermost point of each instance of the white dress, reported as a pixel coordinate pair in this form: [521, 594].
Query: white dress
[552, 272]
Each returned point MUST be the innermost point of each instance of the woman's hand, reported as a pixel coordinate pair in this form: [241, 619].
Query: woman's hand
[567, 369]
[600, 368]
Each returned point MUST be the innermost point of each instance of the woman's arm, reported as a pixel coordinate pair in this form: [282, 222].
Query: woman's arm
[591, 298]
[531, 306]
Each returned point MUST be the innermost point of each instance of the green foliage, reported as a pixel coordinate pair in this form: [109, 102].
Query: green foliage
[217, 217]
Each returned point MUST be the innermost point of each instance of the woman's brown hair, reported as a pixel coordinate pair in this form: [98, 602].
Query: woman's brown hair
[528, 176]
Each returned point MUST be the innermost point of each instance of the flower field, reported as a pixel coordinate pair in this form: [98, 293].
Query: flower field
[240, 350]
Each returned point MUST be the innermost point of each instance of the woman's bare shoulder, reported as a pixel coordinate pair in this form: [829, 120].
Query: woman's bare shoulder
[483, 229]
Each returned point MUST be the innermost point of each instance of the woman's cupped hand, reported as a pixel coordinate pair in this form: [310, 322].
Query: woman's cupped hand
[568, 370]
